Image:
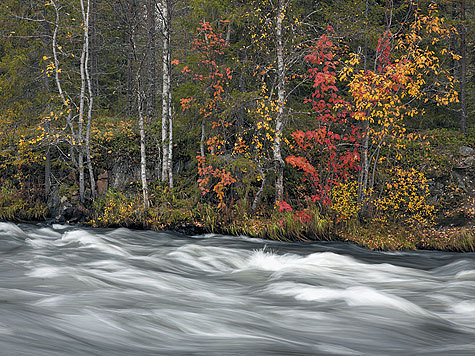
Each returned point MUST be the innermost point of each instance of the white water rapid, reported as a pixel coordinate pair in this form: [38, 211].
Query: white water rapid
[78, 291]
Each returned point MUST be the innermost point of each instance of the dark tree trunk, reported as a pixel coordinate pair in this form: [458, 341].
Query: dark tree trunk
[463, 70]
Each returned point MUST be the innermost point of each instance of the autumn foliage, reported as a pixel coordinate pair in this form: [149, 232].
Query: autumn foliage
[211, 78]
[318, 152]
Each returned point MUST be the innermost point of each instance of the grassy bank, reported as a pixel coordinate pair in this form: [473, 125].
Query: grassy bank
[438, 214]
[118, 210]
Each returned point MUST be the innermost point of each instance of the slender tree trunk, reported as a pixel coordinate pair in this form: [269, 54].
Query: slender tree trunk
[364, 172]
[47, 122]
[165, 90]
[463, 70]
[66, 101]
[170, 113]
[258, 196]
[279, 126]
[170, 134]
[140, 104]
[129, 89]
[143, 157]
[363, 177]
[151, 63]
[228, 33]
[48, 165]
[82, 101]
[48, 151]
[93, 49]
[131, 56]
[92, 181]
[202, 140]
[158, 163]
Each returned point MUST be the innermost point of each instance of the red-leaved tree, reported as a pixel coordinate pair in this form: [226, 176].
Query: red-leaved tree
[328, 153]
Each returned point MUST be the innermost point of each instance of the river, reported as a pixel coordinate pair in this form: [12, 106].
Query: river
[67, 290]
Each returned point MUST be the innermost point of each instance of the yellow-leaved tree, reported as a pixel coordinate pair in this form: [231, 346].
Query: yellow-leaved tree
[406, 72]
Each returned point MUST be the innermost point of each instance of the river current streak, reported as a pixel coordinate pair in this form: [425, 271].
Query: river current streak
[67, 290]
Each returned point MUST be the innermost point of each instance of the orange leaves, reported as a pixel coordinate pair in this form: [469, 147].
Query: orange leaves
[206, 173]
[303, 164]
[186, 70]
[220, 123]
[240, 146]
[208, 73]
[211, 42]
[186, 103]
[215, 144]
[228, 73]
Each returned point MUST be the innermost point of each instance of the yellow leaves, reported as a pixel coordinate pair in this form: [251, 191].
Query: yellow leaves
[378, 95]
[406, 198]
[344, 200]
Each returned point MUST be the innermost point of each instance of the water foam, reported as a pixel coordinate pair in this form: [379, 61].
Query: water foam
[92, 241]
[353, 296]
[10, 229]
[466, 307]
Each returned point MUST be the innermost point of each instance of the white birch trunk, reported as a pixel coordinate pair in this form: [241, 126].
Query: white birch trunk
[82, 100]
[143, 157]
[279, 125]
[86, 16]
[65, 101]
[165, 90]
[170, 132]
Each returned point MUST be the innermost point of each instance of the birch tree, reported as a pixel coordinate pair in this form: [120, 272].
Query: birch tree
[86, 16]
[279, 124]
[167, 124]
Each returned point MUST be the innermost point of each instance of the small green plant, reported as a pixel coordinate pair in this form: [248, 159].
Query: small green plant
[17, 205]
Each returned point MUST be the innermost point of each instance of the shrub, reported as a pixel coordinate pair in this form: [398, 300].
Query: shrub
[406, 199]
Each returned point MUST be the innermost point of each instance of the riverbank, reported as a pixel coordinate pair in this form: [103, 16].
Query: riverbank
[173, 213]
[432, 208]
[283, 227]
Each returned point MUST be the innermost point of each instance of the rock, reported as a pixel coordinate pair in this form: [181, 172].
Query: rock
[468, 162]
[53, 202]
[102, 183]
[461, 179]
[123, 173]
[68, 212]
[466, 151]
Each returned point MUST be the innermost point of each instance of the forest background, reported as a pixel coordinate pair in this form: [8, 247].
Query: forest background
[283, 119]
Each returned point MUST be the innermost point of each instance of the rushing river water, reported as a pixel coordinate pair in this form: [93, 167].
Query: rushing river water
[76, 291]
